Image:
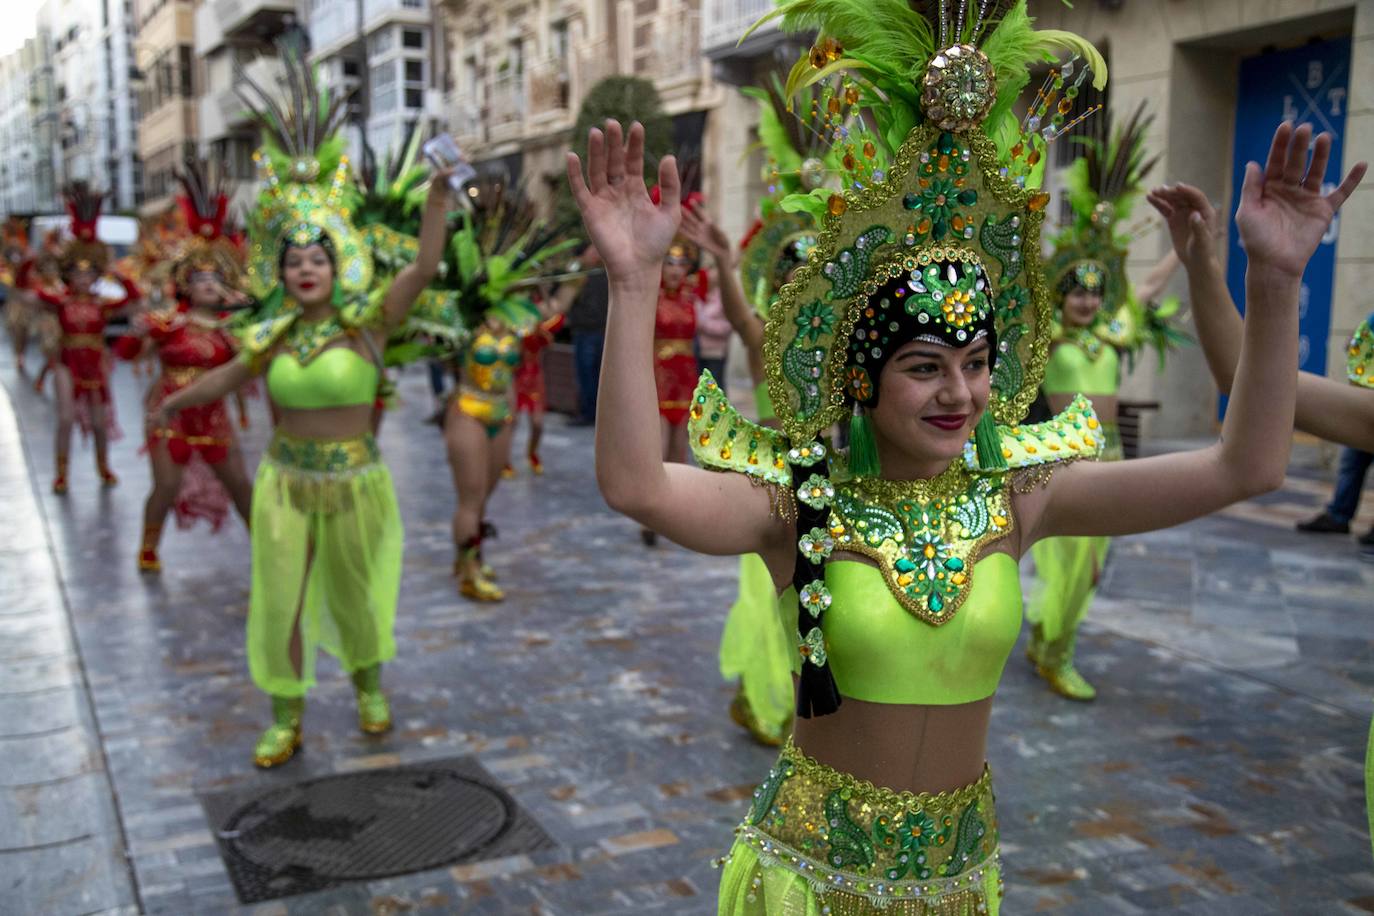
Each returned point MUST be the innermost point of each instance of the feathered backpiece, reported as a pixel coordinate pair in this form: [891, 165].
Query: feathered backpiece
[84, 251]
[307, 187]
[388, 202]
[15, 234]
[499, 249]
[205, 206]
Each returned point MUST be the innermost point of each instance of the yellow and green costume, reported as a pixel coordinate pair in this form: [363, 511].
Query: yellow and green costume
[1090, 254]
[935, 237]
[1359, 370]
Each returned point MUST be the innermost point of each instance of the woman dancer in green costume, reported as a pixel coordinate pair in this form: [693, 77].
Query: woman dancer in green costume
[325, 528]
[922, 317]
[1342, 413]
[1100, 317]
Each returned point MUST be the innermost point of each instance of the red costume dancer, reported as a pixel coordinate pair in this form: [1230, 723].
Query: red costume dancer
[530, 393]
[83, 362]
[196, 466]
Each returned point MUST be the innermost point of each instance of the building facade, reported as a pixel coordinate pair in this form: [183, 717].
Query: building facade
[518, 71]
[1219, 76]
[230, 32]
[167, 127]
[385, 52]
[19, 190]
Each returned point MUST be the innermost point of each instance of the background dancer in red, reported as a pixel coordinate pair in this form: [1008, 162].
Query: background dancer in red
[196, 464]
[82, 367]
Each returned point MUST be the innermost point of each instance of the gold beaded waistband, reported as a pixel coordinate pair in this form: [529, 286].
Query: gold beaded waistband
[324, 456]
[862, 847]
[667, 349]
[182, 375]
[82, 342]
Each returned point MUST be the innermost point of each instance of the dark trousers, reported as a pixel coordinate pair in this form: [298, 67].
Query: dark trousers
[716, 367]
[587, 347]
[1345, 502]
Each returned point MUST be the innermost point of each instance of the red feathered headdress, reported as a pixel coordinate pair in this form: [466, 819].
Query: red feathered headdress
[85, 251]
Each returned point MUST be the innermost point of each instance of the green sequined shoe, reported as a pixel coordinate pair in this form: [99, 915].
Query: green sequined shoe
[282, 738]
[1068, 683]
[374, 712]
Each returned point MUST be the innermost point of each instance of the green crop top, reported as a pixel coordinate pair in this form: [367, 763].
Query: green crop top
[879, 653]
[337, 377]
[1073, 369]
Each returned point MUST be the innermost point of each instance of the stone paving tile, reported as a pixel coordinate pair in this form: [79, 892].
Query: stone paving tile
[1219, 772]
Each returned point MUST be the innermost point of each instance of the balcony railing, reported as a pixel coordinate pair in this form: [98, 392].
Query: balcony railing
[675, 51]
[724, 21]
[550, 87]
[595, 62]
[506, 104]
[235, 14]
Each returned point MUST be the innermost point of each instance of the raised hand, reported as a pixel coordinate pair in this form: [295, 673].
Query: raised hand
[1283, 213]
[1192, 220]
[629, 230]
[698, 227]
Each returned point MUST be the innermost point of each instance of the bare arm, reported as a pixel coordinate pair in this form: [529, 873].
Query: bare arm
[1281, 218]
[1326, 407]
[1153, 285]
[412, 280]
[703, 511]
[743, 319]
[207, 389]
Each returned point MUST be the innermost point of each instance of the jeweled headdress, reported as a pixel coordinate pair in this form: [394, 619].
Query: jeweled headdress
[937, 233]
[84, 250]
[390, 197]
[204, 206]
[1359, 363]
[307, 193]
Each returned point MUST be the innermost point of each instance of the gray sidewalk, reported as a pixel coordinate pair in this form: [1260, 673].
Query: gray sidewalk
[61, 844]
[1219, 772]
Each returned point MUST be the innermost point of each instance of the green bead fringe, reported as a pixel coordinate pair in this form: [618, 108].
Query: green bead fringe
[863, 449]
[988, 443]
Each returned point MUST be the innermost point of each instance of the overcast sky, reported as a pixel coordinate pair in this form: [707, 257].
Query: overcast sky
[19, 18]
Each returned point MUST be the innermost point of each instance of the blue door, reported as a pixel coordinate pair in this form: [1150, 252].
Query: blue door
[1304, 85]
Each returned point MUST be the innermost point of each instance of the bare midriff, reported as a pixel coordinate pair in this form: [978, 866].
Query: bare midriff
[326, 422]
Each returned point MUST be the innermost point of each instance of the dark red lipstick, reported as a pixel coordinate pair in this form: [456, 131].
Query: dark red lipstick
[947, 421]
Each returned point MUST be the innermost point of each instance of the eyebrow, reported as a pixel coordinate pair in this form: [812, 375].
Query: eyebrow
[980, 347]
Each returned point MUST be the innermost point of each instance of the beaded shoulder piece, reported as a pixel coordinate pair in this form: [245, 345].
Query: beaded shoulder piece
[159, 323]
[306, 339]
[1359, 364]
[723, 440]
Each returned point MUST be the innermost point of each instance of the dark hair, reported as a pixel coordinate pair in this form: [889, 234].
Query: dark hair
[324, 241]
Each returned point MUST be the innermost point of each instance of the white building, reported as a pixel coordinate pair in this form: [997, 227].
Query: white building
[227, 31]
[386, 50]
[94, 74]
[18, 189]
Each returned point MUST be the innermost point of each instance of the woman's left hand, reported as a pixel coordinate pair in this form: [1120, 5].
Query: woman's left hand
[1283, 213]
[698, 227]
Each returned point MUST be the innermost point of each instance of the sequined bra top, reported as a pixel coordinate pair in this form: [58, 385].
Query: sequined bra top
[932, 619]
[882, 654]
[1086, 365]
[490, 362]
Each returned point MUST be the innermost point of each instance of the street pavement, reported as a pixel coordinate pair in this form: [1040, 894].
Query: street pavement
[1220, 770]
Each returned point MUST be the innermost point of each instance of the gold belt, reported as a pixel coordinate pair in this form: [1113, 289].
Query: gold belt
[667, 349]
[182, 375]
[868, 846]
[324, 456]
[82, 342]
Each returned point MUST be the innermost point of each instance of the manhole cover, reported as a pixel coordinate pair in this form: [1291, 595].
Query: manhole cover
[364, 826]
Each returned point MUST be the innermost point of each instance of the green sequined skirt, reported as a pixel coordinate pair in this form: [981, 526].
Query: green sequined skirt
[818, 842]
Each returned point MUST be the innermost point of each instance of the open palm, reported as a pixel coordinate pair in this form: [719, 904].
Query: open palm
[631, 232]
[1283, 213]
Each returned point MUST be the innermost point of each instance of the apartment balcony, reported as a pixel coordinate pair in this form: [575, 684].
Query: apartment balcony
[550, 89]
[506, 106]
[724, 22]
[376, 12]
[595, 60]
[218, 20]
[674, 54]
[222, 112]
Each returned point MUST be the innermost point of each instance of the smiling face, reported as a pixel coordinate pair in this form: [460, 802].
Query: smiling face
[931, 398]
[675, 272]
[1080, 307]
[308, 274]
[81, 279]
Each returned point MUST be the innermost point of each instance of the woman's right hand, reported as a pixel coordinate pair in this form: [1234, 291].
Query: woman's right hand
[629, 230]
[1192, 220]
